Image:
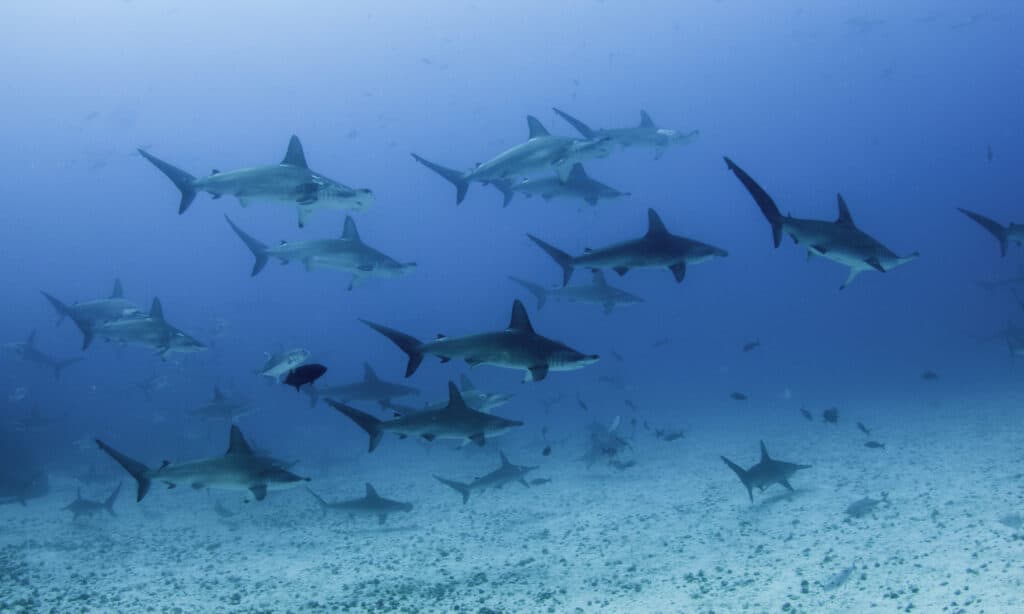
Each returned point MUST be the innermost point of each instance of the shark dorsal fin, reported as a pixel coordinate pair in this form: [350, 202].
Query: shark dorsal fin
[577, 173]
[504, 460]
[295, 156]
[645, 120]
[844, 213]
[764, 454]
[520, 322]
[31, 341]
[371, 493]
[455, 401]
[118, 291]
[655, 227]
[217, 394]
[349, 233]
[156, 311]
[368, 373]
[597, 276]
[238, 444]
[536, 128]
[465, 384]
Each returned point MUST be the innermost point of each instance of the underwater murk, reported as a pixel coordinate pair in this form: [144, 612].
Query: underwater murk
[583, 306]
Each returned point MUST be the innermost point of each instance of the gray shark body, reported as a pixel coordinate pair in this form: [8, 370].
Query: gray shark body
[1003, 234]
[240, 469]
[840, 241]
[541, 153]
[455, 421]
[598, 292]
[371, 388]
[87, 507]
[475, 398]
[645, 134]
[370, 504]
[766, 472]
[27, 351]
[114, 307]
[222, 408]
[516, 347]
[151, 331]
[577, 186]
[505, 474]
[348, 253]
[291, 182]
[658, 249]
[282, 362]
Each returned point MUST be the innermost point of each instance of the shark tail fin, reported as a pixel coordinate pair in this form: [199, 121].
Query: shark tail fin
[536, 290]
[463, 489]
[62, 364]
[365, 421]
[743, 475]
[319, 500]
[580, 127]
[85, 327]
[407, 343]
[259, 250]
[58, 306]
[455, 177]
[764, 202]
[997, 229]
[137, 470]
[109, 503]
[563, 259]
[182, 180]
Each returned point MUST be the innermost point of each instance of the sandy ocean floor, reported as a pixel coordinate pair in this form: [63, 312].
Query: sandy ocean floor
[675, 533]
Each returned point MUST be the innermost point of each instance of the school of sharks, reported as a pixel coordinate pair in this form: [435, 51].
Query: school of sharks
[545, 165]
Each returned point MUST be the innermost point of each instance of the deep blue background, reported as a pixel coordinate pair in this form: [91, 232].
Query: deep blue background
[810, 98]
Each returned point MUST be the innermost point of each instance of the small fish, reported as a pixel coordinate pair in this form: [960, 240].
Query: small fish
[807, 414]
[547, 451]
[839, 579]
[874, 444]
[579, 400]
[751, 345]
[738, 396]
[631, 405]
[830, 415]
[863, 507]
[929, 376]
[864, 429]
[306, 374]
[540, 481]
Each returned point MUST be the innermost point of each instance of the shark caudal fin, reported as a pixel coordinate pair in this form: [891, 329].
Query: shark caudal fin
[563, 259]
[997, 229]
[743, 475]
[764, 202]
[539, 292]
[580, 127]
[259, 250]
[463, 489]
[455, 177]
[109, 503]
[407, 343]
[319, 500]
[62, 310]
[182, 180]
[137, 470]
[365, 421]
[62, 364]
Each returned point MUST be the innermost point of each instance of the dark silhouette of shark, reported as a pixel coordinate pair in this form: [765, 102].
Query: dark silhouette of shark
[766, 472]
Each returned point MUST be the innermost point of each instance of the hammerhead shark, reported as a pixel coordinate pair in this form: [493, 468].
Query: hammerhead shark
[1003, 234]
[28, 352]
[645, 134]
[766, 472]
[504, 474]
[371, 504]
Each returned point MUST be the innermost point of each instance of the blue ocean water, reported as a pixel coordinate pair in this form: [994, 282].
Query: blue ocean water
[909, 110]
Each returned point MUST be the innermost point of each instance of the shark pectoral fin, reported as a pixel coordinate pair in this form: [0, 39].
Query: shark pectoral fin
[659, 151]
[473, 361]
[382, 518]
[444, 359]
[875, 264]
[678, 271]
[787, 485]
[259, 491]
[536, 373]
[621, 270]
[819, 249]
[305, 194]
[478, 439]
[402, 435]
[355, 282]
[591, 200]
[428, 436]
[170, 485]
[243, 201]
[563, 167]
[849, 278]
[810, 255]
[216, 196]
[309, 265]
